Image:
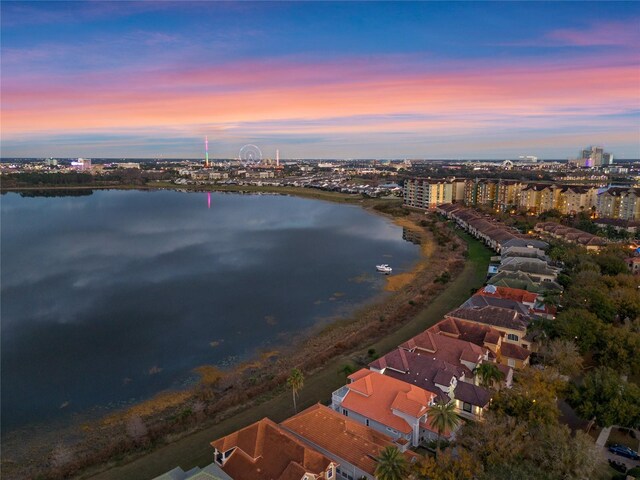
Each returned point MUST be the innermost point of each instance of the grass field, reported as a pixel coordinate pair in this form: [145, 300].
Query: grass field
[194, 450]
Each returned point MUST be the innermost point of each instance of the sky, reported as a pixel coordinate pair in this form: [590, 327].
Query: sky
[319, 79]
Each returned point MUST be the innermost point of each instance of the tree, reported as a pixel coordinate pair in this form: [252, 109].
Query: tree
[391, 465]
[579, 325]
[489, 374]
[443, 417]
[563, 355]
[462, 466]
[296, 382]
[604, 395]
[618, 348]
[533, 397]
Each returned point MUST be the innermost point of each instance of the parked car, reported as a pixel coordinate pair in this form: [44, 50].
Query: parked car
[624, 451]
[618, 466]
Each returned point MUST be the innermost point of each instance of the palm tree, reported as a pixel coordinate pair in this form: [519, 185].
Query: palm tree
[391, 465]
[296, 382]
[488, 373]
[443, 417]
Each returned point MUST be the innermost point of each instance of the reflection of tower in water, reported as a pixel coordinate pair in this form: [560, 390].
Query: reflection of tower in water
[411, 236]
[208, 199]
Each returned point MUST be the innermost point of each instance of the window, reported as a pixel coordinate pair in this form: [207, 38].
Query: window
[330, 473]
[513, 337]
[467, 407]
[345, 412]
[511, 362]
[367, 422]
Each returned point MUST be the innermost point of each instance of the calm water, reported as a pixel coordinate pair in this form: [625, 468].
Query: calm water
[112, 297]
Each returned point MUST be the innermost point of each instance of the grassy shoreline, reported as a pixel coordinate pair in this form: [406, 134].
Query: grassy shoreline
[194, 449]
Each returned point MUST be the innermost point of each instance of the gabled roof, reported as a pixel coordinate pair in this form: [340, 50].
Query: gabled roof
[511, 350]
[473, 394]
[445, 348]
[468, 331]
[478, 301]
[494, 316]
[340, 436]
[516, 294]
[419, 369]
[264, 451]
[384, 397]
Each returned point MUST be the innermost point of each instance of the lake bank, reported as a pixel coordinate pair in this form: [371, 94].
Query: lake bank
[257, 381]
[194, 449]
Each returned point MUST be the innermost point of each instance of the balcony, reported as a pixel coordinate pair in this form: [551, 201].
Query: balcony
[338, 396]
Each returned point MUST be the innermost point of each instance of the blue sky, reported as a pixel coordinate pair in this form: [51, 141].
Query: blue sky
[320, 79]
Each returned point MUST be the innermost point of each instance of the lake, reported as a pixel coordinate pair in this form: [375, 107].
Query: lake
[111, 297]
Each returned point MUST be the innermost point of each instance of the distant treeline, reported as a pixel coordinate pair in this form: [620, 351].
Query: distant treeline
[117, 177]
[57, 193]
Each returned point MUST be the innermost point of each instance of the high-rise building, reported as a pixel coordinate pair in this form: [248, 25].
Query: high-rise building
[593, 157]
[427, 193]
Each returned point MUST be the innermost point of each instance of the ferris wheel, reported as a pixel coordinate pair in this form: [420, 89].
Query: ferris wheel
[250, 154]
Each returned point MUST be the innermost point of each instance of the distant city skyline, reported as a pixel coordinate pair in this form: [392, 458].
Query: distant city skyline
[320, 80]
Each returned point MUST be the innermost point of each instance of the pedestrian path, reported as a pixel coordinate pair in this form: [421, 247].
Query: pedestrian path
[603, 437]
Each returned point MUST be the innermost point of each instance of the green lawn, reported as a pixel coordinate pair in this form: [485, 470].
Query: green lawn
[194, 450]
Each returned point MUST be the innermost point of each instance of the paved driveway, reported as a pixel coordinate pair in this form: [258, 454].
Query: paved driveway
[627, 461]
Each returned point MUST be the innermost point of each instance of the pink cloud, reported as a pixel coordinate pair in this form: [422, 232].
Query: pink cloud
[262, 92]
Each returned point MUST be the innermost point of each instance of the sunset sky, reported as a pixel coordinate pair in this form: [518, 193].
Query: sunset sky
[320, 80]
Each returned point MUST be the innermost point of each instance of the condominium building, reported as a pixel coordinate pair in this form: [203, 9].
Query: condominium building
[619, 202]
[427, 193]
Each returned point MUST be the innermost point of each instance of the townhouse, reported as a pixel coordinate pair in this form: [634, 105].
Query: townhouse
[352, 446]
[571, 235]
[265, 451]
[391, 406]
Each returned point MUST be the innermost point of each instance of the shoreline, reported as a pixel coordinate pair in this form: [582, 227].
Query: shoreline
[219, 391]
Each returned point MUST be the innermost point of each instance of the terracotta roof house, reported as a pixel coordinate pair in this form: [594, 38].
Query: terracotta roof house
[460, 353]
[353, 446]
[421, 369]
[529, 299]
[518, 356]
[265, 451]
[522, 296]
[391, 406]
[494, 339]
[573, 235]
[493, 316]
[495, 234]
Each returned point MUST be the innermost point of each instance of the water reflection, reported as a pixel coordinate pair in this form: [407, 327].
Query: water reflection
[119, 294]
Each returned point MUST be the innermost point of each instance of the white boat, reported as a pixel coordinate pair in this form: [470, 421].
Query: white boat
[384, 268]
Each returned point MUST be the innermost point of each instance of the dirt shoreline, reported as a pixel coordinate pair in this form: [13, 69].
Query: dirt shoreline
[130, 434]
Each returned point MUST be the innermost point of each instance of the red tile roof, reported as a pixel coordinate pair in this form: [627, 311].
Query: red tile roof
[511, 350]
[443, 347]
[375, 395]
[264, 451]
[340, 436]
[522, 296]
